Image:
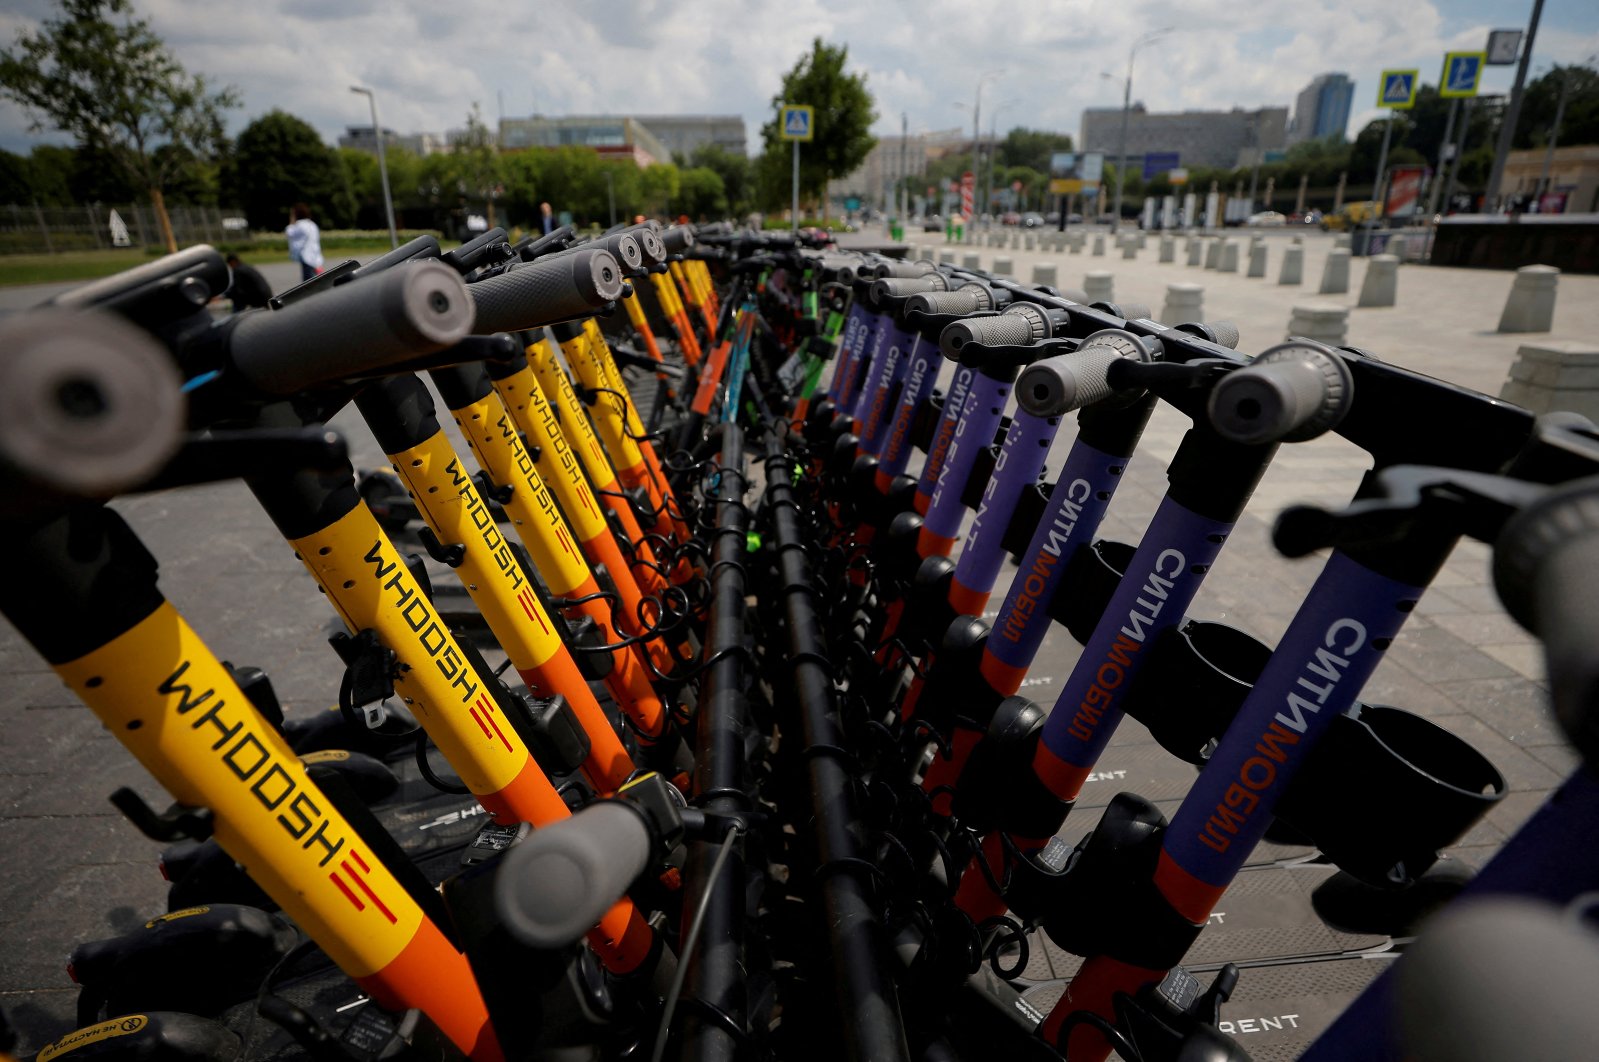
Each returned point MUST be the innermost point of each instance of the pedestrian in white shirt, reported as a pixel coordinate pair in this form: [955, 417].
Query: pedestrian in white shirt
[305, 241]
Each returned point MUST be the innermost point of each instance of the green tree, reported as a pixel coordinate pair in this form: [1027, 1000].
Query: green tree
[278, 161]
[101, 76]
[476, 164]
[1032, 148]
[842, 121]
[701, 193]
[1579, 123]
[734, 170]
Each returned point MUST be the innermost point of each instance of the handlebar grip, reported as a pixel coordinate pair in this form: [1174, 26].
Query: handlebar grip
[1546, 570]
[649, 241]
[900, 287]
[677, 239]
[556, 288]
[969, 298]
[393, 316]
[1222, 333]
[1066, 382]
[1291, 392]
[1001, 330]
[903, 269]
[90, 405]
[625, 249]
[1127, 311]
[553, 887]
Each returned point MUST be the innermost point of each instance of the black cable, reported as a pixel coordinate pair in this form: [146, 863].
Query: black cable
[691, 940]
[428, 776]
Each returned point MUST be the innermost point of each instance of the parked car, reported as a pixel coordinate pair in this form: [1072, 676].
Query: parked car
[1010, 217]
[1266, 219]
[1032, 220]
[1309, 217]
[932, 223]
[1351, 215]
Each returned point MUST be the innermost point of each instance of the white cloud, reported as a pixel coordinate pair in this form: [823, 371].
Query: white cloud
[428, 61]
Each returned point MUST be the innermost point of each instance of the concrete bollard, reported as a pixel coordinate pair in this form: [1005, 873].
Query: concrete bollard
[1196, 250]
[1099, 285]
[1004, 266]
[1335, 274]
[1324, 322]
[1045, 274]
[1397, 247]
[1531, 305]
[1293, 270]
[1184, 303]
[1381, 286]
[1228, 260]
[1341, 241]
[1129, 249]
[1257, 260]
[1168, 249]
[946, 257]
[1550, 376]
[971, 260]
[1099, 245]
[1029, 242]
[1213, 252]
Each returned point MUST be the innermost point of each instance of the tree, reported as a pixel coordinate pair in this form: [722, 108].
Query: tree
[734, 170]
[278, 161]
[1032, 148]
[842, 121]
[113, 86]
[701, 193]
[1579, 123]
[477, 168]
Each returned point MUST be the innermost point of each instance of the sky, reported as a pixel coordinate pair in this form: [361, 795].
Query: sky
[428, 62]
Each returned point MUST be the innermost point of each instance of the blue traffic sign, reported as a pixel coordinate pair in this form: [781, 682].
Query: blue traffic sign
[1157, 163]
[796, 122]
[1398, 89]
[1462, 73]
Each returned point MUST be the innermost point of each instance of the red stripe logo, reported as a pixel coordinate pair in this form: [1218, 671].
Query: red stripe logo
[360, 882]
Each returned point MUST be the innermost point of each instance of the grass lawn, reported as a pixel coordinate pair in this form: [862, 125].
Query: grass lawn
[69, 265]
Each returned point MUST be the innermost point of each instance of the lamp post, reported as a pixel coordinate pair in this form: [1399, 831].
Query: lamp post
[1507, 127]
[383, 166]
[977, 109]
[1127, 103]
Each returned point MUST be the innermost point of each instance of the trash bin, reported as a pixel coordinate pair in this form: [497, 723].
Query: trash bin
[1367, 240]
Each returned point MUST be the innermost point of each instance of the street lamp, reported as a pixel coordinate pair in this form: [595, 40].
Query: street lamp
[1127, 103]
[977, 109]
[383, 166]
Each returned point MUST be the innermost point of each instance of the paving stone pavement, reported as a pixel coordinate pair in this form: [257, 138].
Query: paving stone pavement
[77, 870]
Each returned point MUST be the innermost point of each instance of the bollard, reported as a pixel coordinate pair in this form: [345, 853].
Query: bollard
[1531, 305]
[1341, 241]
[1293, 271]
[946, 257]
[1228, 262]
[1213, 252]
[1381, 286]
[1099, 286]
[1045, 274]
[1129, 248]
[1184, 304]
[1168, 249]
[1029, 242]
[1196, 250]
[1099, 245]
[1335, 274]
[1551, 376]
[1324, 322]
[1397, 246]
[971, 261]
[1004, 266]
[1257, 260]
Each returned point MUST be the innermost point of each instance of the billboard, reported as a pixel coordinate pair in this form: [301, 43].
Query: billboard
[1070, 172]
[1159, 162]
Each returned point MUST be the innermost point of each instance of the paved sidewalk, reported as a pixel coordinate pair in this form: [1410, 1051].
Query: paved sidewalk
[77, 871]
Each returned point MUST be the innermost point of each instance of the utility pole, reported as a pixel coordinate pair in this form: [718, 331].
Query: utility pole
[1127, 103]
[1444, 148]
[902, 195]
[383, 167]
[1507, 131]
[1554, 134]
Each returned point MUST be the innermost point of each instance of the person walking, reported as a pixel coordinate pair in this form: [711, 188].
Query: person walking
[546, 218]
[305, 241]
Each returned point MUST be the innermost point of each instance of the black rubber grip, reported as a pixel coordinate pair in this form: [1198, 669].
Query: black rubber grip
[89, 404]
[903, 269]
[677, 239]
[1001, 330]
[624, 248]
[969, 298]
[553, 887]
[1066, 382]
[557, 287]
[1291, 392]
[1546, 569]
[899, 287]
[356, 328]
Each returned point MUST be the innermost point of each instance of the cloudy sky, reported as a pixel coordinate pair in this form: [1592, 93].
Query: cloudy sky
[429, 60]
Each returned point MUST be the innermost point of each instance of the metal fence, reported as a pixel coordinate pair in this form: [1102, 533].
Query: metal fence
[27, 228]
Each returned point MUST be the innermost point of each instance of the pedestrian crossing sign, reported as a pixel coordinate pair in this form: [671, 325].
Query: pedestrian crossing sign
[1462, 73]
[1398, 89]
[796, 123]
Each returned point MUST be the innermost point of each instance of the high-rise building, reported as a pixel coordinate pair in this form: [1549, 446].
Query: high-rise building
[1322, 109]
[1197, 138]
[362, 138]
[682, 133]
[609, 136]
